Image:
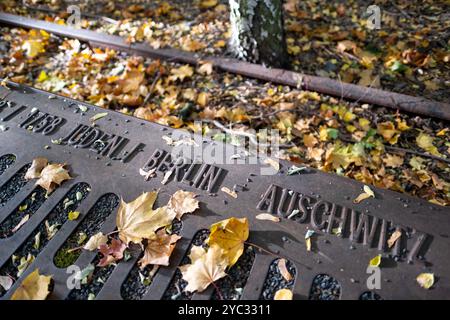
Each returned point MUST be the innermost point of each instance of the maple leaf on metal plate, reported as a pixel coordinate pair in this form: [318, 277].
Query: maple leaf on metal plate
[158, 251]
[138, 220]
[206, 267]
[33, 287]
[230, 235]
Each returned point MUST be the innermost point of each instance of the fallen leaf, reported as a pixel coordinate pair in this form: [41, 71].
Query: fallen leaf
[388, 131]
[181, 73]
[52, 176]
[21, 223]
[425, 280]
[284, 270]
[137, 220]
[294, 170]
[182, 202]
[73, 215]
[393, 238]
[98, 116]
[33, 287]
[393, 161]
[35, 170]
[206, 68]
[158, 251]
[206, 267]
[425, 141]
[6, 282]
[147, 174]
[273, 163]
[267, 216]
[376, 261]
[229, 192]
[208, 4]
[95, 241]
[368, 193]
[230, 235]
[111, 253]
[283, 294]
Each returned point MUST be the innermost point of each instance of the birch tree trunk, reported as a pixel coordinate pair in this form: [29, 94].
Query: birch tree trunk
[258, 32]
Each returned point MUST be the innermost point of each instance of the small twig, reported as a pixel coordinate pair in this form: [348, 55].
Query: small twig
[152, 88]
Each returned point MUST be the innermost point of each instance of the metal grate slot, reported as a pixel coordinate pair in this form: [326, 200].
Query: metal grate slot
[90, 225]
[138, 281]
[175, 290]
[13, 186]
[232, 286]
[275, 281]
[370, 295]
[5, 162]
[39, 238]
[24, 210]
[325, 287]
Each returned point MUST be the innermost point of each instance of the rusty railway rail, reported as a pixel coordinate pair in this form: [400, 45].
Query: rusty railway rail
[416, 105]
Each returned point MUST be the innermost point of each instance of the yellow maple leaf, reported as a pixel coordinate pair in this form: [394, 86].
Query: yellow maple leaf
[425, 142]
[181, 73]
[137, 220]
[206, 267]
[388, 131]
[230, 235]
[33, 287]
[33, 47]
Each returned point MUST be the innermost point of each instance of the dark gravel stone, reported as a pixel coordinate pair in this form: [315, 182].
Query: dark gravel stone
[5, 162]
[175, 291]
[133, 288]
[90, 225]
[30, 205]
[325, 287]
[275, 281]
[370, 295]
[59, 215]
[10, 188]
[231, 287]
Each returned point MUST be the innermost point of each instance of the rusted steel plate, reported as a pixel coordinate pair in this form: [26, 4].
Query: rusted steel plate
[347, 235]
[324, 85]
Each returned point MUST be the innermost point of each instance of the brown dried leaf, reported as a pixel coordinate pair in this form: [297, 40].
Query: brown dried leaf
[284, 270]
[52, 176]
[205, 268]
[35, 170]
[33, 287]
[111, 253]
[182, 202]
[158, 251]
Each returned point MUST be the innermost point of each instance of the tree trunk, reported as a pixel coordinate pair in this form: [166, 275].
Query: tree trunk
[258, 32]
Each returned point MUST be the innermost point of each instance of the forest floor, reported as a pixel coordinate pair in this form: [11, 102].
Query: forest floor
[409, 54]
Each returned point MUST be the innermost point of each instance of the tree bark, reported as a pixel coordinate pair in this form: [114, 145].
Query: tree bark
[257, 32]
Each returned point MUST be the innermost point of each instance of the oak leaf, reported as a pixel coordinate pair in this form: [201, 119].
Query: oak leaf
[206, 267]
[158, 251]
[230, 235]
[33, 287]
[137, 220]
